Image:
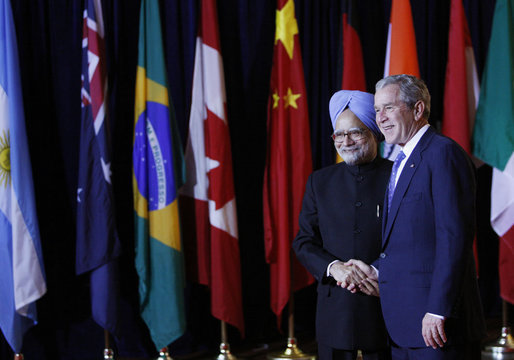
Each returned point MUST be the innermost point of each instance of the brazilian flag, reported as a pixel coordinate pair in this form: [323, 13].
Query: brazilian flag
[158, 172]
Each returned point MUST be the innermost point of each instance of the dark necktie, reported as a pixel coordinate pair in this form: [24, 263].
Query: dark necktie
[391, 186]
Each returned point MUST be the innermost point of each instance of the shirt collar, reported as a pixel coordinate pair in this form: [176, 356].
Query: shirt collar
[411, 144]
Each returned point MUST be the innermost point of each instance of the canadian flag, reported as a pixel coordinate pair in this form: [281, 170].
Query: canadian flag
[208, 205]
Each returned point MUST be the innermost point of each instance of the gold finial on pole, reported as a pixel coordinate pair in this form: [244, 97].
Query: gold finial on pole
[225, 353]
[503, 347]
[292, 351]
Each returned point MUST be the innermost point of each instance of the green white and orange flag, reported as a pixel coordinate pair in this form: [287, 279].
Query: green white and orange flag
[401, 52]
[288, 162]
[493, 136]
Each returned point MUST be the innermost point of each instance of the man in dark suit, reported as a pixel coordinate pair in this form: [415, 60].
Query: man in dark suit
[426, 269]
[341, 219]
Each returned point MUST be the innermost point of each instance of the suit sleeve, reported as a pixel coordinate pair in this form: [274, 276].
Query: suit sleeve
[453, 194]
[308, 243]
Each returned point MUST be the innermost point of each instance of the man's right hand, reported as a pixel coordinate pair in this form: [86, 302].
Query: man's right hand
[341, 273]
[362, 270]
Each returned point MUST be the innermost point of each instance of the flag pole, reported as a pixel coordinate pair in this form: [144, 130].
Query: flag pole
[504, 344]
[292, 351]
[224, 346]
[108, 352]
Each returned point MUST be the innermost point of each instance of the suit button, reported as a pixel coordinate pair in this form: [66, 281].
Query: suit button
[358, 204]
[360, 178]
[383, 255]
[357, 231]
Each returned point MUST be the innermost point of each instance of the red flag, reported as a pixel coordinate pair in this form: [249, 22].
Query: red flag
[288, 162]
[208, 202]
[353, 63]
[461, 88]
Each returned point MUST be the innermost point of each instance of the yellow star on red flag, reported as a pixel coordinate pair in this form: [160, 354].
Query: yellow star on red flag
[290, 99]
[287, 27]
[276, 99]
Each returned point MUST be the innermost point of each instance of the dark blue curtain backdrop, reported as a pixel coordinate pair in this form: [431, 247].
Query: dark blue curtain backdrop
[49, 40]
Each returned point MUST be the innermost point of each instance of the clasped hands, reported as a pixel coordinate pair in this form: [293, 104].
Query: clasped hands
[355, 275]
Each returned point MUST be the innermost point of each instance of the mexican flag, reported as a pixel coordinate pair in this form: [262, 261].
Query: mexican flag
[493, 136]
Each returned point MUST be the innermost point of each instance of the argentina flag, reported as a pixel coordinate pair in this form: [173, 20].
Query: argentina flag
[22, 278]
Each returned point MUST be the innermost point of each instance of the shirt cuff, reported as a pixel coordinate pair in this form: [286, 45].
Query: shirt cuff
[376, 270]
[329, 265]
[437, 316]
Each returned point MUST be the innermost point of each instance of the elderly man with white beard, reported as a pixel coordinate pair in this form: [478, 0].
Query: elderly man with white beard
[341, 219]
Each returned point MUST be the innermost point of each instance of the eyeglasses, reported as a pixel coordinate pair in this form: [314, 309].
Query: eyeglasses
[355, 135]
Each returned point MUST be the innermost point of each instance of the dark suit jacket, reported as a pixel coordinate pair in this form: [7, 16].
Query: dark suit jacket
[339, 221]
[427, 262]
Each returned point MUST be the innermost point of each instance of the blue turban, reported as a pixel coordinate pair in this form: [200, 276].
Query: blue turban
[360, 103]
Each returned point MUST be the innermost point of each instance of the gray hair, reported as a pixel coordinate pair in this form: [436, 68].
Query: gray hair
[412, 90]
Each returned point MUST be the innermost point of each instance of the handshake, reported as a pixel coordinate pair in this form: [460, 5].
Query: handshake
[355, 275]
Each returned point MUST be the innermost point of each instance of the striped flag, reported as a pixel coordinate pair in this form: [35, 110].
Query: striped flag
[462, 88]
[22, 277]
[208, 204]
[493, 140]
[354, 76]
[97, 239]
[158, 172]
[401, 53]
[288, 160]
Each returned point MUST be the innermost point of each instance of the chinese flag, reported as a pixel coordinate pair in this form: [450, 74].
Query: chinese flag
[288, 162]
[208, 203]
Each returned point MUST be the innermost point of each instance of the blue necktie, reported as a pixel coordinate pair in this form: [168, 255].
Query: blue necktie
[392, 185]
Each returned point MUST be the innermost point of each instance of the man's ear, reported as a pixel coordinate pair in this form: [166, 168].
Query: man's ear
[419, 109]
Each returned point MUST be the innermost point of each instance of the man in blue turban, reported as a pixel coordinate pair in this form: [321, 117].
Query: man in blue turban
[341, 219]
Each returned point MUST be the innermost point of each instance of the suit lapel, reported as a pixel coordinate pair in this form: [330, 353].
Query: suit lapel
[404, 180]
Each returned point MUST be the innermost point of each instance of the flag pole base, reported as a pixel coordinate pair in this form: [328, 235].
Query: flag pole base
[502, 348]
[291, 352]
[164, 355]
[108, 354]
[225, 353]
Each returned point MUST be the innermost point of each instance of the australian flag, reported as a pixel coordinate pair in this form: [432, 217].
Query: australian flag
[97, 240]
